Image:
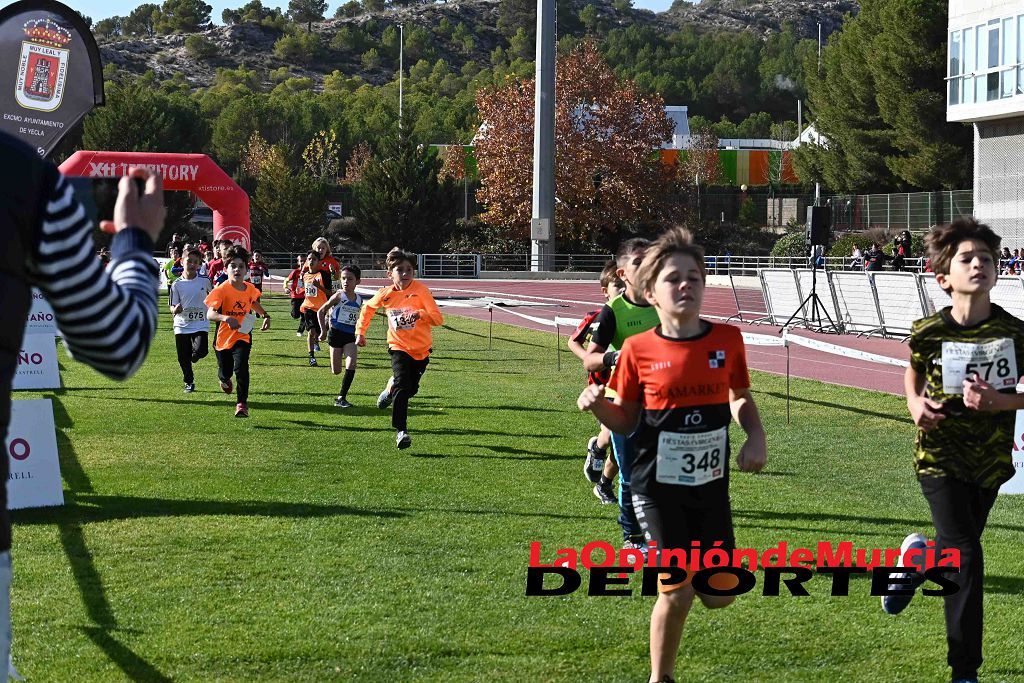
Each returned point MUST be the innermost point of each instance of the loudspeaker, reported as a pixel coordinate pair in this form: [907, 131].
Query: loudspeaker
[819, 224]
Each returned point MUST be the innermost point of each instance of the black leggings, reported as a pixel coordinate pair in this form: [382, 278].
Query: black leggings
[191, 348]
[297, 314]
[236, 360]
[407, 372]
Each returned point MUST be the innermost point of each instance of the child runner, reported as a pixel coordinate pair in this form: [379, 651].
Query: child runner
[215, 267]
[316, 283]
[258, 270]
[204, 268]
[622, 317]
[677, 387]
[411, 312]
[173, 267]
[322, 247]
[293, 285]
[191, 329]
[231, 304]
[964, 364]
[341, 333]
[599, 471]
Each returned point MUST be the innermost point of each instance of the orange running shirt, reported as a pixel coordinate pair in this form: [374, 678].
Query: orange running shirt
[404, 334]
[227, 300]
[683, 386]
[316, 296]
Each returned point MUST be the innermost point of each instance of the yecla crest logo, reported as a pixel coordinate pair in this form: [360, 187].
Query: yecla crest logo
[43, 65]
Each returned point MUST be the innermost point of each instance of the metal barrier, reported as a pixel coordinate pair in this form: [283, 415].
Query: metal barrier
[903, 303]
[449, 265]
[877, 303]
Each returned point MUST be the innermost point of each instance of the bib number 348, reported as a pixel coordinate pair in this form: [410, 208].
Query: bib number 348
[692, 459]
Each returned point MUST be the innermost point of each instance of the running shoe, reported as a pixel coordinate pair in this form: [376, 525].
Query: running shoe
[384, 399]
[594, 464]
[605, 494]
[894, 604]
[298, 334]
[403, 440]
[241, 410]
[312, 362]
[636, 544]
[316, 347]
[226, 386]
[189, 388]
[341, 403]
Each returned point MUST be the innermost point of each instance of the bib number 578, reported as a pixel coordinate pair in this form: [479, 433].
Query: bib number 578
[984, 370]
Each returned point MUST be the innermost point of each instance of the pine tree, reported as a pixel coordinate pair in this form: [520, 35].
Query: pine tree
[399, 199]
[307, 11]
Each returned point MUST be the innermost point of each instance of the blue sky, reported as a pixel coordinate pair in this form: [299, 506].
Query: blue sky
[101, 9]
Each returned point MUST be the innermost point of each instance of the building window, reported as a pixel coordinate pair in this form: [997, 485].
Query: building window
[970, 51]
[993, 44]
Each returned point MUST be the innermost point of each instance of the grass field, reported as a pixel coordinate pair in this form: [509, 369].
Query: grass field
[301, 545]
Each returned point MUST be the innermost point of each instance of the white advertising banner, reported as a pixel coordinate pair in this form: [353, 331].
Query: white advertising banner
[1016, 485]
[37, 363]
[40, 316]
[31, 447]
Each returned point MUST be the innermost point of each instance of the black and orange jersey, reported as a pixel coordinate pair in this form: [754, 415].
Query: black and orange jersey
[582, 336]
[683, 386]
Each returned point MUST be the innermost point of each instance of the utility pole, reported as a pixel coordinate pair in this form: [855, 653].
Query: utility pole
[542, 227]
[401, 70]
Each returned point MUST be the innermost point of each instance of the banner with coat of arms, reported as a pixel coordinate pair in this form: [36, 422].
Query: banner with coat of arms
[50, 72]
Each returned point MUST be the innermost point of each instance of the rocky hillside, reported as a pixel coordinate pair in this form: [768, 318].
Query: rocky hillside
[252, 45]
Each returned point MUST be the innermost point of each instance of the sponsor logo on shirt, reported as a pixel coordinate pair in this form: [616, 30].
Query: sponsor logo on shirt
[716, 359]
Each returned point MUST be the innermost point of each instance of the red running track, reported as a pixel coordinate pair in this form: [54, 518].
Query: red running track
[574, 299]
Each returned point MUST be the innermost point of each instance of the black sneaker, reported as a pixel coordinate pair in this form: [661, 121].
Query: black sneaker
[593, 466]
[312, 362]
[189, 388]
[403, 440]
[341, 403]
[605, 494]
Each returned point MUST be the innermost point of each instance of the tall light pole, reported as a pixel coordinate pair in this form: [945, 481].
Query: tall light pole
[401, 70]
[542, 227]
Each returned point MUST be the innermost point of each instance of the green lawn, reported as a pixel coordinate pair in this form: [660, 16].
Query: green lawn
[301, 545]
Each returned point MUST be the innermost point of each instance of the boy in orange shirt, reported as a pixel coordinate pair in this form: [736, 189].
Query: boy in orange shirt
[317, 286]
[231, 304]
[411, 312]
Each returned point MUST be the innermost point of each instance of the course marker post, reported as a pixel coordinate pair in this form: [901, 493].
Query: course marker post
[490, 325]
[558, 349]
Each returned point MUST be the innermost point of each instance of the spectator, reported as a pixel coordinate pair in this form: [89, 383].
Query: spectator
[856, 258]
[40, 218]
[1005, 261]
[900, 250]
[875, 258]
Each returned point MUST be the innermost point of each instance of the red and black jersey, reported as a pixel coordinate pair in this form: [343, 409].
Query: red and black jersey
[683, 386]
[582, 336]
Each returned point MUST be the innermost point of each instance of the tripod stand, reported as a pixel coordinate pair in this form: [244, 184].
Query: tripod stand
[817, 310]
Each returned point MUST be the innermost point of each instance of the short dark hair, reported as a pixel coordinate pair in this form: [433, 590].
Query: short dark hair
[396, 256]
[354, 269]
[610, 274]
[943, 241]
[194, 252]
[634, 245]
[237, 252]
[313, 255]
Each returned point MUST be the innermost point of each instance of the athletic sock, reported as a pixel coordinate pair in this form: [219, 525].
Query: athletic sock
[605, 481]
[346, 381]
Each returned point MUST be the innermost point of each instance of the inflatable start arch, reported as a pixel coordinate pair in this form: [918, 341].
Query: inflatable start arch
[196, 173]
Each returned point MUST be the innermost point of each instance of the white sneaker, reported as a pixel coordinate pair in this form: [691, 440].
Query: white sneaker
[894, 604]
[403, 440]
[593, 466]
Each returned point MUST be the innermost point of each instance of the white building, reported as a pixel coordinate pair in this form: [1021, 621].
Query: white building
[985, 86]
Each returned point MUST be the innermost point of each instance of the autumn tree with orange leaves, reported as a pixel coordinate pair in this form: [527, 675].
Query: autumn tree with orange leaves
[607, 171]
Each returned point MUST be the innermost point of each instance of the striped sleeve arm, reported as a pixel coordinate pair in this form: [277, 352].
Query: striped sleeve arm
[107, 317]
